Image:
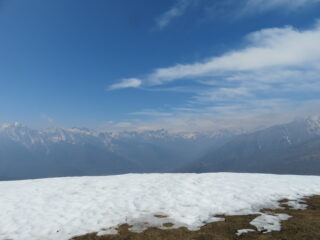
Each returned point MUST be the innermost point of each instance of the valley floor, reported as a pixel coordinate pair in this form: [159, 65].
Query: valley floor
[304, 224]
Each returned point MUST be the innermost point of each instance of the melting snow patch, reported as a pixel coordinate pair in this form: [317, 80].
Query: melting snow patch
[144, 222]
[109, 231]
[242, 231]
[267, 223]
[297, 204]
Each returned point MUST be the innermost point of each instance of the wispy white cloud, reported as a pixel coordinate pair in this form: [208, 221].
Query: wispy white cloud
[269, 48]
[230, 8]
[177, 10]
[126, 83]
[263, 5]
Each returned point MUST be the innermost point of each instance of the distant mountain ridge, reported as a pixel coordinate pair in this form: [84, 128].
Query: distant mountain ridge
[55, 152]
[27, 136]
[292, 148]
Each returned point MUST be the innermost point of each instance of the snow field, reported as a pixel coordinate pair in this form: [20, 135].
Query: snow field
[61, 208]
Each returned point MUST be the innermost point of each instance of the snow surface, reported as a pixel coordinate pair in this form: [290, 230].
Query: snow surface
[61, 208]
[297, 205]
[269, 222]
[242, 231]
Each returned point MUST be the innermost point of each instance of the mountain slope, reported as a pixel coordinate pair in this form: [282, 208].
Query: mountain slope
[292, 148]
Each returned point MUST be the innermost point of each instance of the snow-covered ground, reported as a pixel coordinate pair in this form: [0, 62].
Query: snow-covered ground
[61, 208]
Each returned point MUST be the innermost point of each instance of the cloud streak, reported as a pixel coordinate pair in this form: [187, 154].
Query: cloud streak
[266, 49]
[176, 11]
[126, 83]
[233, 7]
[263, 5]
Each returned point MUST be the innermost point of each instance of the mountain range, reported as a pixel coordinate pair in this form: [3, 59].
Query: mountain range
[25, 153]
[55, 152]
[292, 148]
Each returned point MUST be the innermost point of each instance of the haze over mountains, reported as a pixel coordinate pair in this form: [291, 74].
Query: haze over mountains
[292, 148]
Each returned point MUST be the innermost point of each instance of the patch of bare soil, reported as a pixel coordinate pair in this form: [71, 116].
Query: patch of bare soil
[303, 225]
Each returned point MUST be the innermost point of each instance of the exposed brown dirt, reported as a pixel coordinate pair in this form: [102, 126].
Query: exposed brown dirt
[304, 225]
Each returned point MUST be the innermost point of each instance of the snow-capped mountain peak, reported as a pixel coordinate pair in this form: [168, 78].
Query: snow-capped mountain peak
[314, 124]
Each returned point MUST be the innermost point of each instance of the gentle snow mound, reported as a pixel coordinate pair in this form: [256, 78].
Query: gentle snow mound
[61, 208]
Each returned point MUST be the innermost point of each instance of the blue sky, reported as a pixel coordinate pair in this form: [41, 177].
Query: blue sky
[182, 65]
